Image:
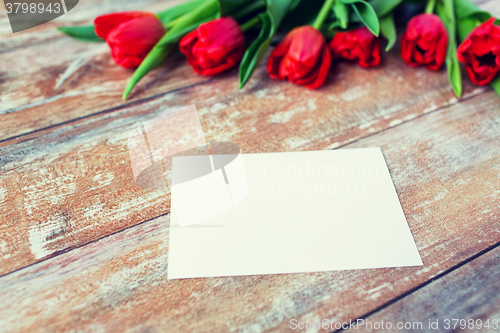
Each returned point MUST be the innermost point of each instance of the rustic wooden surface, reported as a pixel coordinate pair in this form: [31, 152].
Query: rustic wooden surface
[470, 292]
[82, 248]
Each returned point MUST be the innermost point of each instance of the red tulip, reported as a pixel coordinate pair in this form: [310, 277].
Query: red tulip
[424, 42]
[359, 45]
[214, 46]
[302, 56]
[130, 35]
[480, 52]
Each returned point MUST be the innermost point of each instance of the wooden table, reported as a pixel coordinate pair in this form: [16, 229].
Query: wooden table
[82, 248]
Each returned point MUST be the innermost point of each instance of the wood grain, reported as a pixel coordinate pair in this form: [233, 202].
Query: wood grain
[72, 184]
[67, 191]
[471, 292]
[82, 80]
[81, 74]
[40, 90]
[439, 163]
[83, 14]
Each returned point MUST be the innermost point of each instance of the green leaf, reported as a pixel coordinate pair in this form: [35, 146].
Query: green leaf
[445, 11]
[254, 54]
[294, 5]
[159, 53]
[248, 10]
[228, 7]
[334, 25]
[388, 30]
[469, 16]
[366, 14]
[495, 84]
[172, 13]
[465, 26]
[302, 13]
[84, 33]
[271, 19]
[466, 9]
[414, 2]
[277, 10]
[448, 12]
[342, 13]
[384, 7]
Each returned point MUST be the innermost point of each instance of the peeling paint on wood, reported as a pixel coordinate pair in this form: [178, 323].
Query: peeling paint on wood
[66, 184]
[469, 293]
[120, 281]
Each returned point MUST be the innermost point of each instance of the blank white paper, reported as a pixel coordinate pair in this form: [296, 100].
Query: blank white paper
[303, 212]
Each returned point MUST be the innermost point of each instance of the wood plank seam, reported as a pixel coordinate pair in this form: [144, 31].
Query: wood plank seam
[345, 144]
[149, 98]
[22, 47]
[146, 99]
[202, 83]
[424, 284]
[484, 128]
[444, 107]
[153, 97]
[110, 110]
[440, 108]
[85, 244]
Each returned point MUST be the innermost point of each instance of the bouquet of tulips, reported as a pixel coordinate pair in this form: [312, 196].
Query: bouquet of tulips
[216, 35]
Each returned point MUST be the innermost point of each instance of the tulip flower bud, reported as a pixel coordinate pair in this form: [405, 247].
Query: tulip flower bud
[480, 52]
[302, 57]
[359, 45]
[130, 35]
[214, 47]
[424, 42]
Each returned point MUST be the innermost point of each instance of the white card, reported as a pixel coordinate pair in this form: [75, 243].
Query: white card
[294, 212]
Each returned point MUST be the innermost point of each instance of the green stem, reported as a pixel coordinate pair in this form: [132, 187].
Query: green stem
[323, 13]
[429, 7]
[193, 15]
[169, 24]
[173, 13]
[250, 23]
[200, 9]
[495, 84]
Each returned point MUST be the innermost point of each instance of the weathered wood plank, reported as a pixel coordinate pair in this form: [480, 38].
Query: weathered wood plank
[43, 90]
[445, 168]
[83, 14]
[72, 184]
[471, 292]
[56, 73]
[40, 90]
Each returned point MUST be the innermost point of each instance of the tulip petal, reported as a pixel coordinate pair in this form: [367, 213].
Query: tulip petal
[125, 60]
[186, 45]
[105, 23]
[425, 42]
[137, 36]
[480, 52]
[230, 61]
[284, 45]
[359, 45]
[214, 46]
[323, 69]
[317, 75]
[302, 57]
[306, 46]
[273, 65]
